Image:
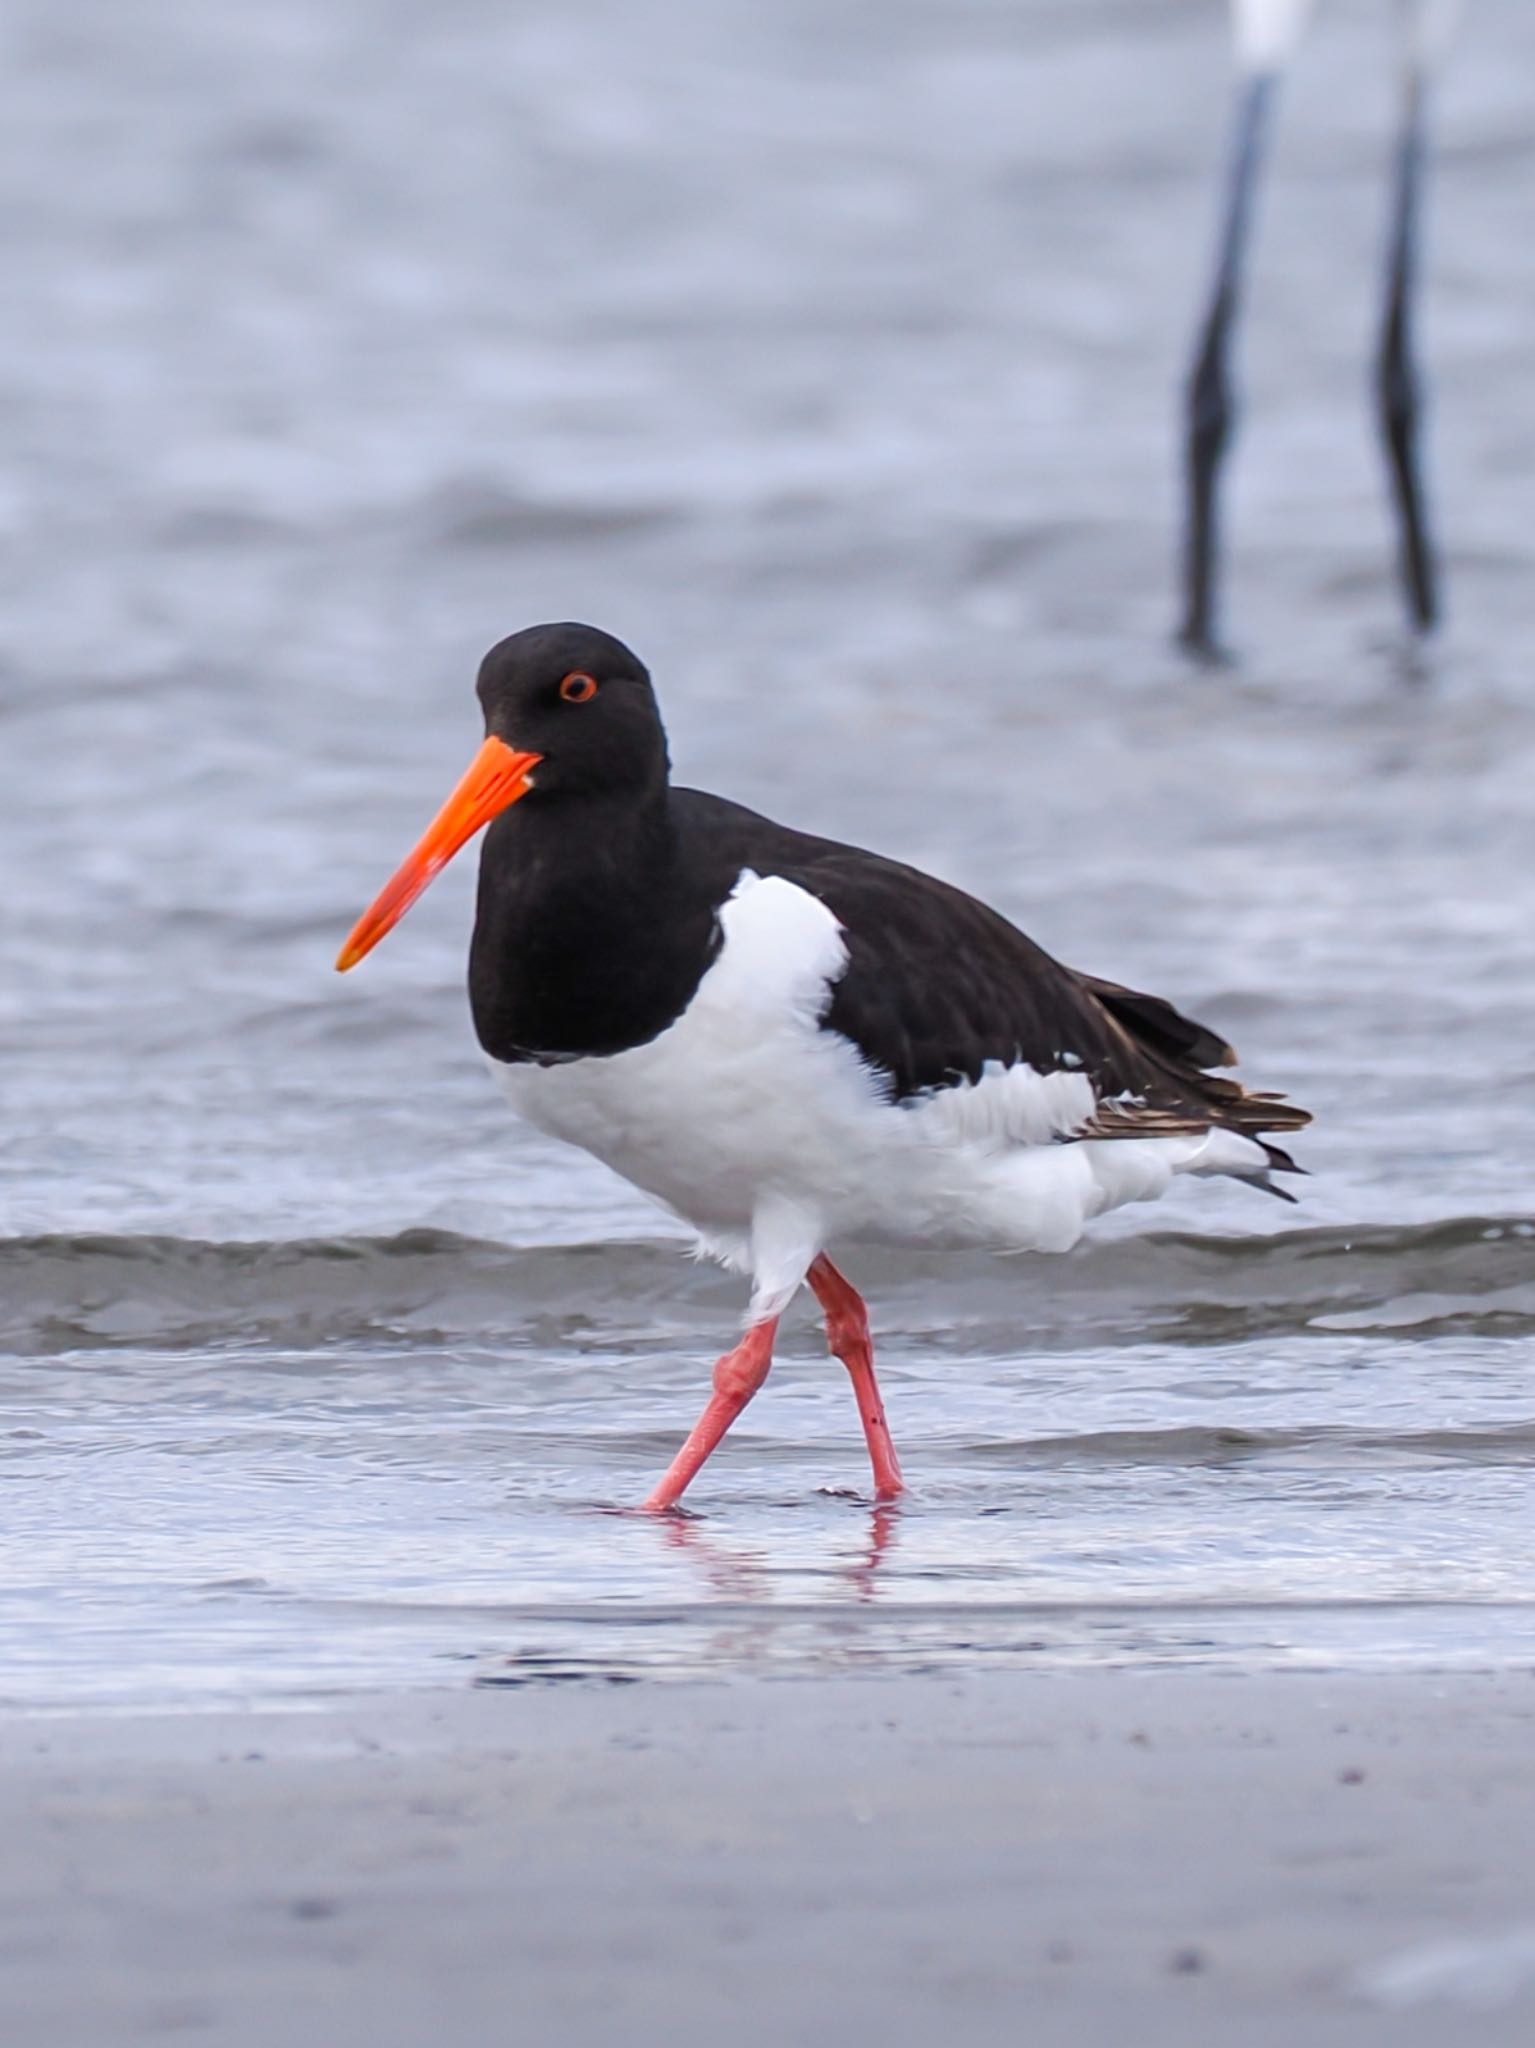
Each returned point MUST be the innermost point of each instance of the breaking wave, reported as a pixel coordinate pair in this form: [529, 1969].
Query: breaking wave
[67, 1293]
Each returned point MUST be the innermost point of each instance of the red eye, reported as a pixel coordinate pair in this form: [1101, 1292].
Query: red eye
[578, 688]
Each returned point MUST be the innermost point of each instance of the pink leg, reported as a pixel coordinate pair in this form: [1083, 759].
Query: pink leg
[736, 1378]
[847, 1332]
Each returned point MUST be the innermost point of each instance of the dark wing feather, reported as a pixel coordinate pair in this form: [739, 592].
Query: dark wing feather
[1159, 1025]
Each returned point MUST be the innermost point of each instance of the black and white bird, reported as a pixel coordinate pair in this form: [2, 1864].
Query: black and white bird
[1264, 36]
[790, 1043]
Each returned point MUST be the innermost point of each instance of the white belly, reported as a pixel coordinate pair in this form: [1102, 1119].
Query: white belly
[746, 1107]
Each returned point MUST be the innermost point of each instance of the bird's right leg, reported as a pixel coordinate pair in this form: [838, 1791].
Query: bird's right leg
[847, 1332]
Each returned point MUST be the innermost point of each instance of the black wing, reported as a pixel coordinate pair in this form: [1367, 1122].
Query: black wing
[938, 986]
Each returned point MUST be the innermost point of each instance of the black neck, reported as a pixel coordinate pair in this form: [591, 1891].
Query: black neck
[590, 935]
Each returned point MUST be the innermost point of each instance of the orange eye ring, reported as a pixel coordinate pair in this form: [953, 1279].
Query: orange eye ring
[578, 687]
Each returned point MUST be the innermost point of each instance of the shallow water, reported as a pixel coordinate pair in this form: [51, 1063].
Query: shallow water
[302, 1467]
[826, 353]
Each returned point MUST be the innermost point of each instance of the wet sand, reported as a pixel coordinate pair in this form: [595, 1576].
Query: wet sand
[1013, 1858]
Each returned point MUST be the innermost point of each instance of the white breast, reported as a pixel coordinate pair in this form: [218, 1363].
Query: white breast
[716, 1110]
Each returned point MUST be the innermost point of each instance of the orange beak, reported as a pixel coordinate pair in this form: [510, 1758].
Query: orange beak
[496, 778]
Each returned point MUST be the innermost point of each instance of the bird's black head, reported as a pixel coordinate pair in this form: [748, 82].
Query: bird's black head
[569, 713]
[580, 701]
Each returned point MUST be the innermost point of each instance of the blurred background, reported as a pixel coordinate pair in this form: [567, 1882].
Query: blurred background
[832, 355]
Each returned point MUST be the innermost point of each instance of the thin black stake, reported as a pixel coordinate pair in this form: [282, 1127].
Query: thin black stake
[1211, 413]
[1398, 390]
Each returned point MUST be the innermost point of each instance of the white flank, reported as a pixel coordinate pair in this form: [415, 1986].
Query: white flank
[1266, 31]
[774, 1139]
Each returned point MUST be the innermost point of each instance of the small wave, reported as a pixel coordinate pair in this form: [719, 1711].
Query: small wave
[61, 1293]
[65, 1293]
[1350, 1449]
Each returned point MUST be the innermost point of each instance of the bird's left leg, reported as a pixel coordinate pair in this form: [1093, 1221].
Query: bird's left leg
[783, 1242]
[737, 1377]
[847, 1332]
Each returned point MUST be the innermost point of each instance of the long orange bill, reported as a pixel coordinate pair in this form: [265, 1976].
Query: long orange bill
[496, 778]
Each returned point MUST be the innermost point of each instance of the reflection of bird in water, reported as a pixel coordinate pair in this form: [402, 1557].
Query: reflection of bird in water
[746, 1575]
[1265, 33]
[790, 1042]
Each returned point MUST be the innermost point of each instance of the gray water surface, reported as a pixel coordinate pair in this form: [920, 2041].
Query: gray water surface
[828, 354]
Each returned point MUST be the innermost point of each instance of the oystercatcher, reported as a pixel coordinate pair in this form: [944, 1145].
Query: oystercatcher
[790, 1043]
